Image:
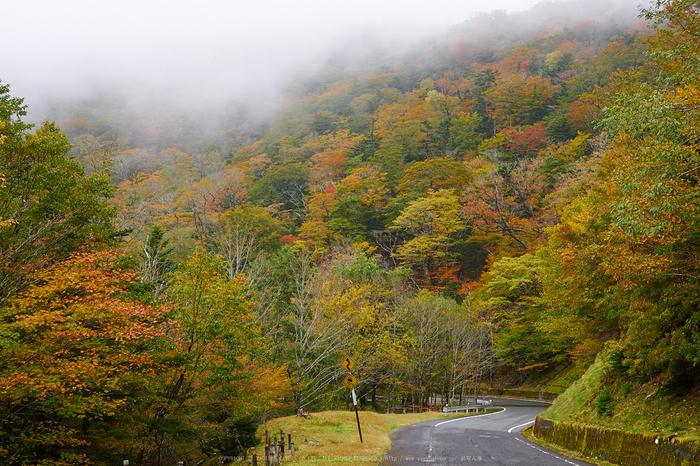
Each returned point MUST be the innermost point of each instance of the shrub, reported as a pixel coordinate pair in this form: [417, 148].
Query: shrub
[604, 404]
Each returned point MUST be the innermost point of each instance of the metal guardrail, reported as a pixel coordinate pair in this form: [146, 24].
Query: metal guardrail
[479, 405]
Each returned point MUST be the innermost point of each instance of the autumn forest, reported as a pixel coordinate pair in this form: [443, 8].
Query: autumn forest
[492, 209]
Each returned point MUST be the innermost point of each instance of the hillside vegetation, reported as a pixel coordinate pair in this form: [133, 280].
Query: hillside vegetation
[494, 208]
[601, 398]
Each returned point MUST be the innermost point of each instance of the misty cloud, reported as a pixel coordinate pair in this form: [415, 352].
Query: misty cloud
[190, 51]
[202, 53]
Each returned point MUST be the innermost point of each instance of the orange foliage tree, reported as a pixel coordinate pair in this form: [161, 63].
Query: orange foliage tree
[504, 200]
[77, 360]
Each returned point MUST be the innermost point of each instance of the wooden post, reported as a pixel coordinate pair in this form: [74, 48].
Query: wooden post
[291, 448]
[267, 437]
[267, 455]
[255, 460]
[281, 445]
[290, 441]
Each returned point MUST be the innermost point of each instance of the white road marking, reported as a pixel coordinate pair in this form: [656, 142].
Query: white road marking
[430, 459]
[468, 417]
[521, 425]
[546, 452]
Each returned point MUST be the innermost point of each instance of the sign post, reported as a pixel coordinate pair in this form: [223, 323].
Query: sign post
[357, 415]
[350, 381]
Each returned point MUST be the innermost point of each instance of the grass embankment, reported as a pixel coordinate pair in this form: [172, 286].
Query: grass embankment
[558, 379]
[629, 408]
[331, 438]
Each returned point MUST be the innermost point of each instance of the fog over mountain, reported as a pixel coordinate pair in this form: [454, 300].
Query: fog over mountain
[203, 54]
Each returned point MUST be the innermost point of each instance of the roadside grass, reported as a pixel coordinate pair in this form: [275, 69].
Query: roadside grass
[331, 437]
[579, 397]
[560, 378]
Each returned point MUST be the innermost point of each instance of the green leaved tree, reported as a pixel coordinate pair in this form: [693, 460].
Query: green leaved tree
[431, 224]
[49, 206]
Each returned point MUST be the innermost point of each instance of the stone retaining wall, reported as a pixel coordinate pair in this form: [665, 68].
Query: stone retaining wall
[616, 446]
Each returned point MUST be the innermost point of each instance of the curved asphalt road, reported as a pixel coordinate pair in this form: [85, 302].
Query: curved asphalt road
[486, 440]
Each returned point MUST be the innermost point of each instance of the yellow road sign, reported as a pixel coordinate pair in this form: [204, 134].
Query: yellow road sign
[350, 381]
[348, 364]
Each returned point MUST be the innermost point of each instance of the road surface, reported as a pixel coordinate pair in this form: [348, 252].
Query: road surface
[486, 440]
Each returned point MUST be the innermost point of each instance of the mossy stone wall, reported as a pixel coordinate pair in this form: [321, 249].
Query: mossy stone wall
[616, 446]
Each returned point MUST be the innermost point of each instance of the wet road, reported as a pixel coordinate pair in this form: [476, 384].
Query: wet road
[486, 440]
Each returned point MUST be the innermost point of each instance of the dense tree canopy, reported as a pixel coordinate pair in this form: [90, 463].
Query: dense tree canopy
[48, 204]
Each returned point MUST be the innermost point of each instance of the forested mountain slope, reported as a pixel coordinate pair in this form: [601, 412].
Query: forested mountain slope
[497, 206]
